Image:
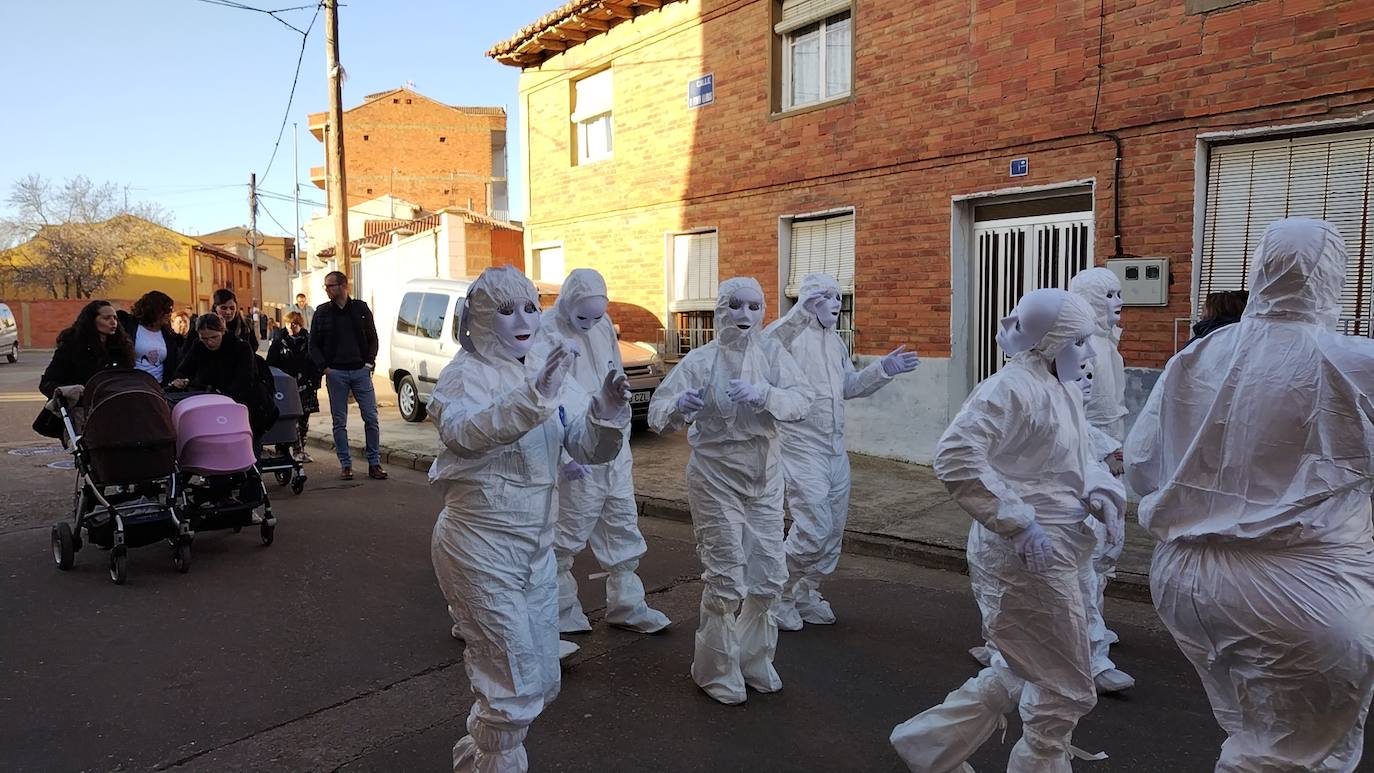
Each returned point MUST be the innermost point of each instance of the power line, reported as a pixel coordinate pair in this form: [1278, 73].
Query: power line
[274, 219]
[272, 13]
[305, 38]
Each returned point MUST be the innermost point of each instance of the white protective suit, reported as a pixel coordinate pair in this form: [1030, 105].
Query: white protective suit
[814, 462]
[1106, 412]
[735, 489]
[1016, 458]
[600, 504]
[1254, 456]
[493, 543]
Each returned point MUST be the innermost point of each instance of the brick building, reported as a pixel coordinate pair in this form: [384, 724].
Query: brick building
[941, 158]
[407, 145]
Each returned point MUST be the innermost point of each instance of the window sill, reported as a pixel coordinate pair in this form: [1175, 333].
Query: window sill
[810, 107]
[1194, 7]
[593, 161]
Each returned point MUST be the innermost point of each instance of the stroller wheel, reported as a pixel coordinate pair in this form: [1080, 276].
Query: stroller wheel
[63, 549]
[268, 532]
[283, 477]
[181, 556]
[298, 485]
[119, 567]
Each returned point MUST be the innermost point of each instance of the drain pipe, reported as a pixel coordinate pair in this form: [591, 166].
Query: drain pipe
[1116, 194]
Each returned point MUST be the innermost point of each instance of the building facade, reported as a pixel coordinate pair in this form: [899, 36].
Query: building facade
[276, 259]
[940, 159]
[407, 145]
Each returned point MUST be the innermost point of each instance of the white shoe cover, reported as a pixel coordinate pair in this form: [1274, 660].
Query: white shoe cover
[625, 605]
[758, 643]
[566, 649]
[716, 660]
[571, 618]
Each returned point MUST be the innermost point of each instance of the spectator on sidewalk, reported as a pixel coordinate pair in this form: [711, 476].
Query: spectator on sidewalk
[343, 345]
[1220, 310]
[226, 305]
[157, 350]
[304, 309]
[290, 352]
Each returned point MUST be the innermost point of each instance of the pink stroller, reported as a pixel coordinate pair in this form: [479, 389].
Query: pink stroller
[221, 485]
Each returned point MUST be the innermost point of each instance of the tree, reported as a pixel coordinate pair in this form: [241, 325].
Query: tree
[75, 239]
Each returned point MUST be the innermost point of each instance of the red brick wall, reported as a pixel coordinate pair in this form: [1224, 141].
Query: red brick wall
[41, 321]
[945, 93]
[402, 153]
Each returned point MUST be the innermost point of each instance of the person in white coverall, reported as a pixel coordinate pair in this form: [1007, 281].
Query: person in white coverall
[1106, 413]
[595, 503]
[1017, 459]
[503, 424]
[1254, 457]
[814, 462]
[733, 392]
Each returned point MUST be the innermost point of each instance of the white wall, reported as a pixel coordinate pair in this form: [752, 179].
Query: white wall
[905, 418]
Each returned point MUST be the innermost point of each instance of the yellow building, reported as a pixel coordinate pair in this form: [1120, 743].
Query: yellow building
[188, 269]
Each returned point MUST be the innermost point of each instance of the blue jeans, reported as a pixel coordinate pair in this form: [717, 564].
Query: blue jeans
[359, 382]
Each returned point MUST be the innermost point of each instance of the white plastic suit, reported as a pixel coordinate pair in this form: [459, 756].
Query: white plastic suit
[1016, 458]
[597, 503]
[733, 392]
[499, 421]
[1254, 456]
[814, 462]
[1106, 412]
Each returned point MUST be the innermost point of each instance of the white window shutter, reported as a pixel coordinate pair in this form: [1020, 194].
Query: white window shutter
[824, 245]
[592, 96]
[696, 272]
[1250, 185]
[799, 13]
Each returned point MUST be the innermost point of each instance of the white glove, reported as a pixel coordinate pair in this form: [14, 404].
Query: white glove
[1103, 506]
[549, 380]
[1116, 463]
[744, 392]
[1116, 530]
[690, 402]
[900, 361]
[810, 302]
[1033, 547]
[613, 396]
[575, 471]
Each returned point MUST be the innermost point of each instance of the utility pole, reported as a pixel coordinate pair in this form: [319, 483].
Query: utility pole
[334, 135]
[296, 197]
[255, 288]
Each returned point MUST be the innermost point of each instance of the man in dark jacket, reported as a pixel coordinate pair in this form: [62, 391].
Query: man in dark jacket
[343, 344]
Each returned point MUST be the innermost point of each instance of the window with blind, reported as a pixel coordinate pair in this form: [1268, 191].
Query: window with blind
[591, 116]
[825, 245]
[816, 45]
[1251, 184]
[693, 281]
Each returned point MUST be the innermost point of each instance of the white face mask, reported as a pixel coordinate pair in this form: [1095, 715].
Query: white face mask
[1071, 359]
[515, 327]
[827, 310]
[745, 310]
[587, 312]
[1085, 382]
[1114, 303]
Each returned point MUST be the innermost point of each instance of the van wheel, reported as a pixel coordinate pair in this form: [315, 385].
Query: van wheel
[408, 400]
[13, 356]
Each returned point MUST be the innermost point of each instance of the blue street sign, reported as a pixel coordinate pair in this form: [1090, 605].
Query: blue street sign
[701, 91]
[1020, 167]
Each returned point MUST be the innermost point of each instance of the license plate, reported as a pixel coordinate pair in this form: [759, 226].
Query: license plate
[640, 397]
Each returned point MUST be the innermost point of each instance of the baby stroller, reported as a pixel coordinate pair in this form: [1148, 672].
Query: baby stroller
[126, 484]
[284, 439]
[220, 485]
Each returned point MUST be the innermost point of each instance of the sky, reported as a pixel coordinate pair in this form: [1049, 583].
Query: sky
[182, 99]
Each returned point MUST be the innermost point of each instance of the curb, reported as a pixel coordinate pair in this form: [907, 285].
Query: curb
[1128, 586]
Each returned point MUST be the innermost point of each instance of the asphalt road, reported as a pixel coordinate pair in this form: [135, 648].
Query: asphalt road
[330, 650]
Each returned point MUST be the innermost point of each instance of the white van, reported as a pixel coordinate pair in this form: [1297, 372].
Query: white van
[9, 334]
[424, 339]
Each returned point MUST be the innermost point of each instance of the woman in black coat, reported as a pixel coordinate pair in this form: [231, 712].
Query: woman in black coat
[226, 305]
[94, 342]
[157, 350]
[290, 353]
[218, 361]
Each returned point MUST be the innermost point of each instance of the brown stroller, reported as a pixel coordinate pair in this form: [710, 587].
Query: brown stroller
[126, 484]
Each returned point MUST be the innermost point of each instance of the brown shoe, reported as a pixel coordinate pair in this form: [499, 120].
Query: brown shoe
[346, 473]
[376, 472]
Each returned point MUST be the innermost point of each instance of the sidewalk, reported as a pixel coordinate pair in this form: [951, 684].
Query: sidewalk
[896, 510]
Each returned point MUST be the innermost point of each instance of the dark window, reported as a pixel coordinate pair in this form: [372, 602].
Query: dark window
[410, 310]
[364, 138]
[431, 322]
[407, 101]
[441, 139]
